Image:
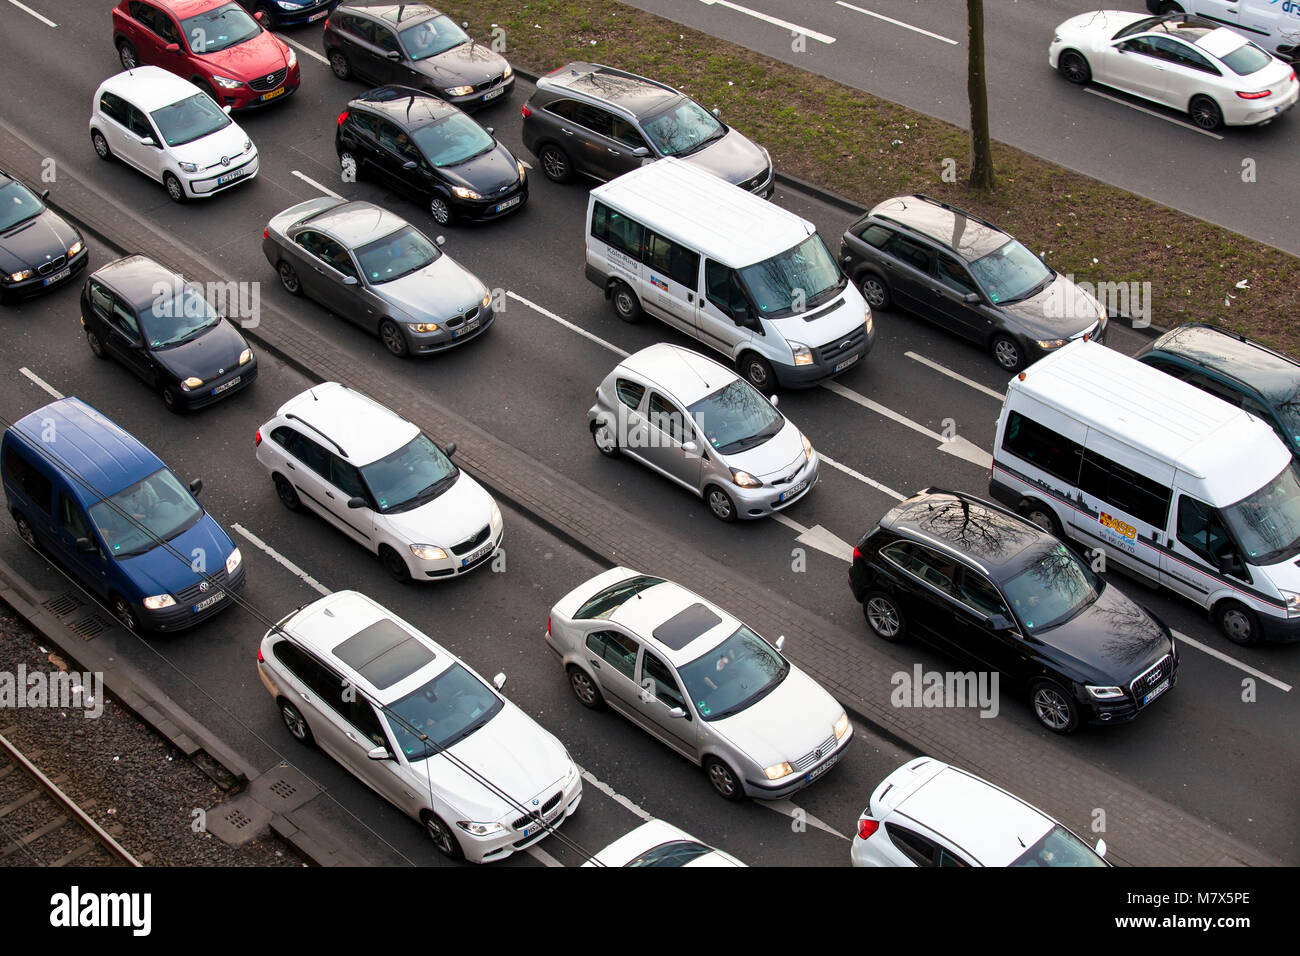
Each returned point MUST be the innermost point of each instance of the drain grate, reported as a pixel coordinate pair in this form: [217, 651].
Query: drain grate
[59, 606]
[238, 819]
[283, 789]
[88, 627]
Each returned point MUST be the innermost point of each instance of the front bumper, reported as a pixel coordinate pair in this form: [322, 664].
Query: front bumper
[38, 284]
[482, 98]
[454, 565]
[235, 380]
[508, 840]
[308, 14]
[1121, 710]
[207, 183]
[779, 789]
[245, 98]
[485, 210]
[181, 616]
[806, 376]
[759, 502]
[1281, 630]
[427, 343]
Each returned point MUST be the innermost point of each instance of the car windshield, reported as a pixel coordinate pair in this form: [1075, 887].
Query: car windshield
[215, 30]
[797, 278]
[1011, 272]
[432, 37]
[1053, 588]
[1287, 405]
[452, 140]
[447, 709]
[736, 418]
[192, 118]
[1059, 847]
[1246, 59]
[683, 128]
[737, 673]
[142, 516]
[17, 204]
[396, 255]
[174, 319]
[415, 474]
[1267, 523]
[676, 853]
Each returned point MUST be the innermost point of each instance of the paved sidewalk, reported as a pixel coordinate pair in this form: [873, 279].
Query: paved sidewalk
[1141, 830]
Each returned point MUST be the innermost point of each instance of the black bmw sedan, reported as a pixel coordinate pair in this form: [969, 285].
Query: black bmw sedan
[415, 143]
[986, 587]
[165, 331]
[38, 247]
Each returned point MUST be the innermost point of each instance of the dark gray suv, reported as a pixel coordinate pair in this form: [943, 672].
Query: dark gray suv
[600, 122]
[967, 275]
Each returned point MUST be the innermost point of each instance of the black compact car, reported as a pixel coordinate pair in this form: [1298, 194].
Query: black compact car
[165, 331]
[965, 274]
[39, 249]
[417, 144]
[411, 44]
[982, 584]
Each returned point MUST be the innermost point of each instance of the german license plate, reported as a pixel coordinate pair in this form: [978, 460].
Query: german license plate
[787, 495]
[476, 555]
[231, 177]
[846, 363]
[546, 820]
[231, 384]
[208, 602]
[818, 771]
[272, 95]
[316, 16]
[1160, 689]
[469, 327]
[493, 94]
[513, 201]
[58, 276]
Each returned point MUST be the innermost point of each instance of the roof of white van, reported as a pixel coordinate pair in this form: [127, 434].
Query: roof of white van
[1156, 413]
[722, 221]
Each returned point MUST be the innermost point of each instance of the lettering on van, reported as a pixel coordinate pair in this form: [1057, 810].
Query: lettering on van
[1127, 530]
[620, 259]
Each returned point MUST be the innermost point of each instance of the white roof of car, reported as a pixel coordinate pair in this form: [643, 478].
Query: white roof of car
[722, 221]
[149, 87]
[685, 375]
[649, 835]
[644, 612]
[365, 430]
[1221, 42]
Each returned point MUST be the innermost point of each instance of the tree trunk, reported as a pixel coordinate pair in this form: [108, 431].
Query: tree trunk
[981, 171]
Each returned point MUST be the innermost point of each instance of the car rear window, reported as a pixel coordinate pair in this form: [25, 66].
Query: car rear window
[1246, 59]
[602, 604]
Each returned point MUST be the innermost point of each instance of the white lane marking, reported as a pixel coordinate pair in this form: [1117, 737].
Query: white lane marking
[618, 798]
[1182, 638]
[1143, 109]
[281, 559]
[786, 808]
[567, 324]
[541, 856]
[41, 382]
[863, 478]
[818, 537]
[297, 46]
[992, 393]
[956, 446]
[311, 182]
[784, 24]
[897, 23]
[26, 9]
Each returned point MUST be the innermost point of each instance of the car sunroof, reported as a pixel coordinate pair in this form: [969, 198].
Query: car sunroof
[383, 653]
[685, 626]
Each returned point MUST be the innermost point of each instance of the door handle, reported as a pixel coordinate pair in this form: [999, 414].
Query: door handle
[292, 466]
[614, 151]
[305, 696]
[690, 297]
[351, 736]
[595, 664]
[329, 494]
[566, 132]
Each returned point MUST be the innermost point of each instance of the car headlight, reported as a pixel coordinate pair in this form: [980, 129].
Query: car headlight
[807, 446]
[802, 354]
[465, 192]
[248, 144]
[422, 326]
[870, 325]
[428, 552]
[745, 479]
[508, 72]
[286, 5]
[842, 726]
[234, 561]
[75, 248]
[777, 771]
[191, 382]
[459, 90]
[1050, 343]
[523, 170]
[245, 356]
[487, 299]
[1105, 693]
[293, 58]
[496, 517]
[226, 83]
[20, 276]
[1292, 603]
[188, 167]
[478, 829]
[159, 601]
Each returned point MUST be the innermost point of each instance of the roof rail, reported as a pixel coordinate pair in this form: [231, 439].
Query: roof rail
[956, 209]
[299, 418]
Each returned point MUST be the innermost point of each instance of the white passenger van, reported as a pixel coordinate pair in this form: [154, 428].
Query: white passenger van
[741, 275]
[1273, 24]
[1169, 481]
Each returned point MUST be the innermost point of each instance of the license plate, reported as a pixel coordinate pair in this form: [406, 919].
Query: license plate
[469, 327]
[1160, 689]
[208, 602]
[272, 95]
[58, 276]
[231, 384]
[817, 772]
[846, 363]
[787, 495]
[231, 177]
[493, 94]
[546, 820]
[477, 554]
[514, 201]
[316, 16]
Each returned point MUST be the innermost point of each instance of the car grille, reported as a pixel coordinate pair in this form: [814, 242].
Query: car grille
[264, 84]
[790, 477]
[195, 592]
[52, 266]
[1089, 332]
[1149, 679]
[808, 759]
[456, 321]
[529, 819]
[829, 354]
[487, 85]
[469, 545]
[759, 180]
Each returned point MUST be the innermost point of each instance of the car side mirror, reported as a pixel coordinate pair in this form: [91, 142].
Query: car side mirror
[173, 48]
[440, 240]
[350, 280]
[86, 546]
[148, 141]
[716, 112]
[196, 486]
[999, 622]
[1229, 563]
[641, 152]
[45, 194]
[450, 449]
[379, 753]
[499, 681]
[690, 448]
[393, 55]
[780, 642]
[772, 399]
[676, 712]
[971, 298]
[740, 314]
[490, 130]
[1101, 848]
[356, 501]
[410, 164]
[226, 110]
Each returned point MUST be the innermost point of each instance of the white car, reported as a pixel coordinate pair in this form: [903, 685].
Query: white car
[927, 813]
[418, 726]
[171, 131]
[657, 843]
[1189, 63]
[381, 481]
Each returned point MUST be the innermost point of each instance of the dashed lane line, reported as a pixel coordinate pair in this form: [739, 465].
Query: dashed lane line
[41, 382]
[280, 559]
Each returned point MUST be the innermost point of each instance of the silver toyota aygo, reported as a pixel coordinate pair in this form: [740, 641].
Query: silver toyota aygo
[695, 677]
[699, 424]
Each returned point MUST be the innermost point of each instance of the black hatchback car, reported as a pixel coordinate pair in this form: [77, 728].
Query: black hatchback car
[415, 143]
[982, 584]
[38, 247]
[165, 331]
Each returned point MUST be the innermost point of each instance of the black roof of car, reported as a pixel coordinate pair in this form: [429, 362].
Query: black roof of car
[397, 14]
[965, 233]
[135, 279]
[988, 534]
[1270, 373]
[636, 94]
[406, 105]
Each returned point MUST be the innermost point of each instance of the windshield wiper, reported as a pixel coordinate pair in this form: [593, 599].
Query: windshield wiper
[1031, 293]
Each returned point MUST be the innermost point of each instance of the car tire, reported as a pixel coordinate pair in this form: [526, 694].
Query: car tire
[339, 65]
[265, 9]
[175, 191]
[440, 210]
[757, 371]
[124, 613]
[289, 278]
[724, 781]
[25, 531]
[394, 565]
[127, 55]
[1037, 513]
[555, 163]
[284, 490]
[884, 616]
[606, 441]
[626, 305]
[443, 837]
[874, 290]
[584, 688]
[100, 145]
[1054, 707]
[296, 724]
[1238, 623]
[1073, 65]
[721, 505]
[1171, 7]
[1007, 352]
[96, 346]
[391, 335]
[1205, 113]
[172, 400]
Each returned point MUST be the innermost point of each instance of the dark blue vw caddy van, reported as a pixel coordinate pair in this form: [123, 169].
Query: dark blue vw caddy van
[86, 492]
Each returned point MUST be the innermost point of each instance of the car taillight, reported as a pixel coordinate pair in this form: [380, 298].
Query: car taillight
[867, 826]
[525, 111]
[257, 438]
[548, 625]
[260, 658]
[857, 555]
[1254, 96]
[342, 117]
[266, 233]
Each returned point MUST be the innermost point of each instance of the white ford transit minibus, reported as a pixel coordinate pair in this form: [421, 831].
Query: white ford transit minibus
[741, 275]
[1169, 481]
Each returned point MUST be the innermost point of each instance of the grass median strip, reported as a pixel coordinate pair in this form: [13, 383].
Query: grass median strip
[868, 149]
